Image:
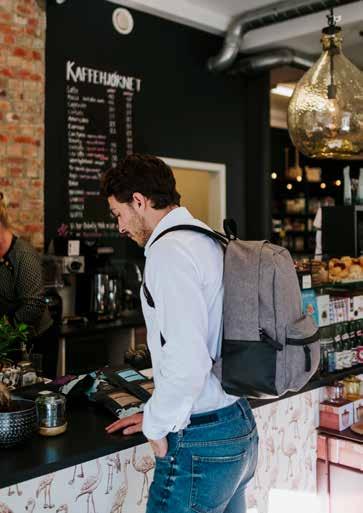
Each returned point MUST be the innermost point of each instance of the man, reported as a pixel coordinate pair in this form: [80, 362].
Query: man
[204, 440]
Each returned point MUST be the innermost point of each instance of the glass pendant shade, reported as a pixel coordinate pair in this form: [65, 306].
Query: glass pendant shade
[325, 113]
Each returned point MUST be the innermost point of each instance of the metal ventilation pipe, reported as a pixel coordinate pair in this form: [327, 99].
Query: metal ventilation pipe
[262, 17]
[272, 59]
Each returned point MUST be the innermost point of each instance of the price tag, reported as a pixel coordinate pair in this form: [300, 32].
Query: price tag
[306, 281]
[73, 247]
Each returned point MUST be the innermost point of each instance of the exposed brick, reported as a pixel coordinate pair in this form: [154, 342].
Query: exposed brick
[24, 139]
[22, 9]
[37, 240]
[4, 106]
[33, 22]
[5, 182]
[7, 72]
[11, 116]
[20, 52]
[33, 228]
[9, 40]
[8, 29]
[20, 20]
[16, 171]
[22, 43]
[25, 217]
[19, 161]
[4, 16]
[15, 150]
[30, 151]
[36, 55]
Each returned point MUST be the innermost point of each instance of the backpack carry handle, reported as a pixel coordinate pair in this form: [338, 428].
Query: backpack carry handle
[230, 228]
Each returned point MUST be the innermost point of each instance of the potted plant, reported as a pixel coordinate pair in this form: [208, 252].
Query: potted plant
[12, 338]
[18, 419]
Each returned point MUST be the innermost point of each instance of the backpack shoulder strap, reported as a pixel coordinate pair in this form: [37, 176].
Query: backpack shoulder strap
[193, 228]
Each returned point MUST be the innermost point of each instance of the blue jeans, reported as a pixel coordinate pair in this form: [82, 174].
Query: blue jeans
[208, 464]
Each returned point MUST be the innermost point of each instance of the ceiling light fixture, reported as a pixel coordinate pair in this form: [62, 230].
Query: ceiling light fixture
[325, 113]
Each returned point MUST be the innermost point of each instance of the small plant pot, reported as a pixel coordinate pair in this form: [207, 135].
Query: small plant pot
[18, 425]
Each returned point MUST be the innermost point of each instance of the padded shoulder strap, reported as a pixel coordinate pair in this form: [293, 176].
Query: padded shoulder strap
[212, 234]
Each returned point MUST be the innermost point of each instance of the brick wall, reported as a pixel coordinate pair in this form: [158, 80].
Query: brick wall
[22, 42]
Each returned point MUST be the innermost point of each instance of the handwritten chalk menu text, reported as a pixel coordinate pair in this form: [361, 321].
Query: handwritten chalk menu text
[99, 133]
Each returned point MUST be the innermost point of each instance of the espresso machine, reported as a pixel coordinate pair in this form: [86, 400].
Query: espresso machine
[61, 283]
[100, 288]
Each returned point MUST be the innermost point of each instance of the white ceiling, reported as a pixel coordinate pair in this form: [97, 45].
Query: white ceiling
[301, 33]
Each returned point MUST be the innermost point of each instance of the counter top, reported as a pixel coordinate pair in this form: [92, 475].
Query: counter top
[86, 439]
[92, 327]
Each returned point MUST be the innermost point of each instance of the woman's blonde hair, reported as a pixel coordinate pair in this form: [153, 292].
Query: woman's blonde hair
[4, 217]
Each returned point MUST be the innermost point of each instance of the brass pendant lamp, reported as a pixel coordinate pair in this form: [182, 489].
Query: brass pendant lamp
[325, 113]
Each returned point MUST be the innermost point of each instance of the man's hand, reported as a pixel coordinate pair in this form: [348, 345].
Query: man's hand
[129, 425]
[133, 424]
[160, 447]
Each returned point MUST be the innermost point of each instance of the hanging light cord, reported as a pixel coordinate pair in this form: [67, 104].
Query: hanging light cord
[332, 51]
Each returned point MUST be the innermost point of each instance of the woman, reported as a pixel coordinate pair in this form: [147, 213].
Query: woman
[21, 298]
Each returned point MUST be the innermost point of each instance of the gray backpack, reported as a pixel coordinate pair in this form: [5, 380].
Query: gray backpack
[269, 347]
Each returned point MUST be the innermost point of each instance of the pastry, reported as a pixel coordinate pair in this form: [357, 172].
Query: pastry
[347, 261]
[355, 271]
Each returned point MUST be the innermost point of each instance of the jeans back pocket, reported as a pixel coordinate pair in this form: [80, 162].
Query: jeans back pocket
[214, 481]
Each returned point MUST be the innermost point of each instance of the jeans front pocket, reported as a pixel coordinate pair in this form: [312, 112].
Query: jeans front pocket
[214, 481]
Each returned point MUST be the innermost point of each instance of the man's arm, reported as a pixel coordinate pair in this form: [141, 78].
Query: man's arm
[175, 284]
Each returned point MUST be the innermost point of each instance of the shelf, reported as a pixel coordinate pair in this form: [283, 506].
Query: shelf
[298, 232]
[299, 216]
[340, 285]
[317, 381]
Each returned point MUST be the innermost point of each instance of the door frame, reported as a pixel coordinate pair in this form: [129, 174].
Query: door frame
[211, 167]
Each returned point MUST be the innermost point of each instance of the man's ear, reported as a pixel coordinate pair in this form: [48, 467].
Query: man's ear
[140, 201]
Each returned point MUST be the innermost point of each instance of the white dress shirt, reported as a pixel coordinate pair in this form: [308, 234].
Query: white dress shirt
[184, 275]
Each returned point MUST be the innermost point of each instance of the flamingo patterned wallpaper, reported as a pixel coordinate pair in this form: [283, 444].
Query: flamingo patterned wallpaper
[119, 483]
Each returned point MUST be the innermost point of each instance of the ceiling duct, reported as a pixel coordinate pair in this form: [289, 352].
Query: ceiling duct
[262, 17]
[272, 58]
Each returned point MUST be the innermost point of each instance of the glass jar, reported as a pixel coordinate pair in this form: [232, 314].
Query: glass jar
[335, 392]
[51, 410]
[28, 376]
[352, 388]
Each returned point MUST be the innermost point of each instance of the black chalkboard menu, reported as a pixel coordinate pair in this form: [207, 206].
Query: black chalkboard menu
[99, 127]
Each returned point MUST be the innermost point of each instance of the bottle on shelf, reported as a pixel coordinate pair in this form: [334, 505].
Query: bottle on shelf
[358, 341]
[359, 198]
[331, 357]
[353, 341]
[338, 346]
[323, 366]
[346, 346]
[347, 186]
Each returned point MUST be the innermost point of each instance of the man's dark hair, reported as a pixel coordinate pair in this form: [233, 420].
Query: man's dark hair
[145, 174]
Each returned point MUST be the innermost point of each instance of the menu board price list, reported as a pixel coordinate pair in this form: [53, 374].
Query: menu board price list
[99, 134]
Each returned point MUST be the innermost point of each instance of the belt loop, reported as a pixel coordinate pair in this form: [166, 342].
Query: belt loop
[180, 434]
[242, 408]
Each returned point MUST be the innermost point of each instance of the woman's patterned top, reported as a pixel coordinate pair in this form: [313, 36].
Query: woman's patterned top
[21, 290]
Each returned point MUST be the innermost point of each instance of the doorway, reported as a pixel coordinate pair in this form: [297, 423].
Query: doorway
[202, 186]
